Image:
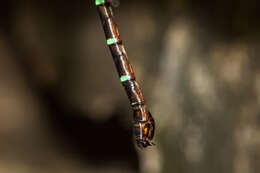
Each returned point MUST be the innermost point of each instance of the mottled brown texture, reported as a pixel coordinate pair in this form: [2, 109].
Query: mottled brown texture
[144, 125]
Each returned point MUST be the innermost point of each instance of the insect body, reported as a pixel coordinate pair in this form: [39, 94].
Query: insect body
[143, 121]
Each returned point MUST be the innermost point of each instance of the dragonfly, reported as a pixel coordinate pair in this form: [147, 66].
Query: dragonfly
[143, 124]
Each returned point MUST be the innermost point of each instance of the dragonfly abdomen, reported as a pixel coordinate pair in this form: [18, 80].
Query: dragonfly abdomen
[143, 121]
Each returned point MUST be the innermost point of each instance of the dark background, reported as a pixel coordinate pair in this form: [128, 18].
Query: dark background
[62, 107]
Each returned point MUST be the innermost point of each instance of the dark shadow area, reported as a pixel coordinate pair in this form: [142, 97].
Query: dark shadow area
[96, 142]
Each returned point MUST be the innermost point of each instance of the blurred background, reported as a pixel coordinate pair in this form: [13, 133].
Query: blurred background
[63, 109]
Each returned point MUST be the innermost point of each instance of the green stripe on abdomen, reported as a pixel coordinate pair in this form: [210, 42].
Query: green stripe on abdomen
[99, 2]
[125, 78]
[111, 41]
